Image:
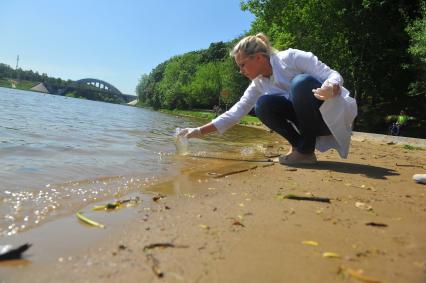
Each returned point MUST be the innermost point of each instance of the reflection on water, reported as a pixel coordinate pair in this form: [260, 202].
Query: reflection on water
[58, 154]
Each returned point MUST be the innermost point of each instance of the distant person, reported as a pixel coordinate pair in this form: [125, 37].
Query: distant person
[295, 95]
[401, 121]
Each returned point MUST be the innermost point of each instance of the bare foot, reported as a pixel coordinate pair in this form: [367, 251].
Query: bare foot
[297, 158]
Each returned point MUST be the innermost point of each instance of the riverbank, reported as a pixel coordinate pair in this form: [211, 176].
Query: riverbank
[233, 224]
[17, 84]
[210, 115]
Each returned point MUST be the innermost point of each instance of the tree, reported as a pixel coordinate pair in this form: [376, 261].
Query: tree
[233, 84]
[417, 33]
[205, 86]
[365, 40]
[178, 74]
[216, 52]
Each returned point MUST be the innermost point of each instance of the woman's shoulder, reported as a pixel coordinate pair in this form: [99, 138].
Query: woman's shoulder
[289, 54]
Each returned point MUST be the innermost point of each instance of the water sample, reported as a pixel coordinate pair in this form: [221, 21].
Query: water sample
[181, 143]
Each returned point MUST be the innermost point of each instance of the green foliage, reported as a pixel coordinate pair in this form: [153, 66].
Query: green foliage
[4, 83]
[176, 79]
[205, 115]
[147, 89]
[194, 80]
[216, 52]
[411, 147]
[233, 83]
[417, 32]
[92, 93]
[6, 72]
[205, 86]
[21, 84]
[365, 40]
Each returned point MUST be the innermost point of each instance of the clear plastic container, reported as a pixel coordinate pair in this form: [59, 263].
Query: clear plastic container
[181, 143]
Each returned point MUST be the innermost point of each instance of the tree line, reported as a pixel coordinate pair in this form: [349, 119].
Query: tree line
[8, 72]
[57, 85]
[379, 47]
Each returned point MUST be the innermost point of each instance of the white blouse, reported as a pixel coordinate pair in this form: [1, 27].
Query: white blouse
[338, 112]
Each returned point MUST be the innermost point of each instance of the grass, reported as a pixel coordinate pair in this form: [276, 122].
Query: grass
[5, 83]
[410, 147]
[206, 115]
[23, 85]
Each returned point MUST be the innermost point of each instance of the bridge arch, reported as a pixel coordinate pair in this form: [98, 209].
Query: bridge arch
[100, 84]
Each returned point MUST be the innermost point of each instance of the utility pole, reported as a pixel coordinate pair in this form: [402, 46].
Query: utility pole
[16, 68]
[17, 62]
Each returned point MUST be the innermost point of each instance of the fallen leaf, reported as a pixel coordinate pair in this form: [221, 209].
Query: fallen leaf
[357, 274]
[330, 255]
[88, 221]
[310, 243]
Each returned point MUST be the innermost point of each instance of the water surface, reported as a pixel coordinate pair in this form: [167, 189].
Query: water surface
[58, 154]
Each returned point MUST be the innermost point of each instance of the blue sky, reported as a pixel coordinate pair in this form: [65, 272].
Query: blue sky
[115, 41]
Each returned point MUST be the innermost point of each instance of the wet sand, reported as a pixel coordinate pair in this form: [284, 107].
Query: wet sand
[233, 224]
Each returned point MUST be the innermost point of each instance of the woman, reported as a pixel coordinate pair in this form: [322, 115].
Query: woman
[294, 94]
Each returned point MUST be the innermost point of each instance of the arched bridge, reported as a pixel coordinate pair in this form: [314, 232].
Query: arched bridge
[99, 86]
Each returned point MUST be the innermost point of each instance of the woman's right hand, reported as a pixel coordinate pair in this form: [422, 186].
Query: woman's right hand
[190, 133]
[326, 91]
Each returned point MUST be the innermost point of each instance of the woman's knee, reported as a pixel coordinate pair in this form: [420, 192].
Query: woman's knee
[303, 82]
[302, 86]
[262, 105]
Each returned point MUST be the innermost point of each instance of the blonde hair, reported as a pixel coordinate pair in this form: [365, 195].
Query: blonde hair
[253, 44]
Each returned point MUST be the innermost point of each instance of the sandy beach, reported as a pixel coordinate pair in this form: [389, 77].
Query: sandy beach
[235, 224]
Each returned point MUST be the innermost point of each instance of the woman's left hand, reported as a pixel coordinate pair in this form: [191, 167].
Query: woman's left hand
[326, 91]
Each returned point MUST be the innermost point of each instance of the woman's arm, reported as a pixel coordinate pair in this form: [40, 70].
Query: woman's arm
[207, 129]
[198, 132]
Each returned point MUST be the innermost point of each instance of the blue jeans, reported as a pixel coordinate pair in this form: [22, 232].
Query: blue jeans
[302, 109]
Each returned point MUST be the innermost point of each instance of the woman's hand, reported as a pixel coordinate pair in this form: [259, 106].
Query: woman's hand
[190, 133]
[326, 91]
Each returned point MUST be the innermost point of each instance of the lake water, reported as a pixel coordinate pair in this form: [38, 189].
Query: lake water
[59, 154]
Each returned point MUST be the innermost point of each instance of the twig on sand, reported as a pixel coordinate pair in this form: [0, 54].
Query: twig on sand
[155, 263]
[162, 245]
[376, 224]
[409, 165]
[234, 172]
[231, 159]
[295, 197]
